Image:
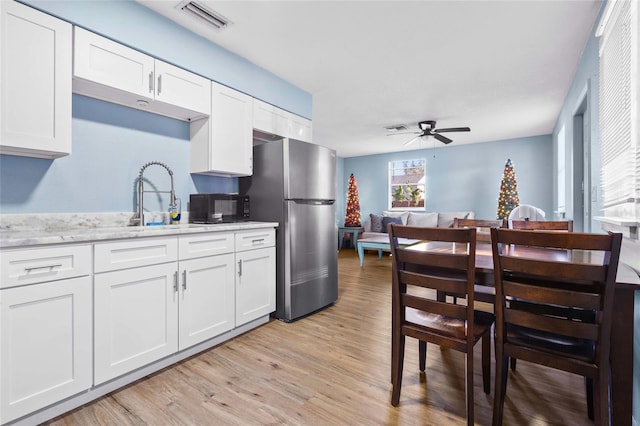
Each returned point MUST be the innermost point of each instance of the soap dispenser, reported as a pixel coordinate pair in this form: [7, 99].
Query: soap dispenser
[175, 212]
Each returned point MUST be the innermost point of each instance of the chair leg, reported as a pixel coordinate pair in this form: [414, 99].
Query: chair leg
[469, 387]
[588, 384]
[512, 361]
[422, 354]
[601, 399]
[397, 360]
[500, 388]
[486, 363]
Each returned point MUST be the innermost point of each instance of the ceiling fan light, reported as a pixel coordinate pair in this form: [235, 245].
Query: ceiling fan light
[203, 13]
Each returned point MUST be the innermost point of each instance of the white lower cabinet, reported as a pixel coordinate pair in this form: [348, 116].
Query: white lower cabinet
[206, 298]
[256, 284]
[136, 314]
[144, 313]
[152, 299]
[255, 275]
[45, 328]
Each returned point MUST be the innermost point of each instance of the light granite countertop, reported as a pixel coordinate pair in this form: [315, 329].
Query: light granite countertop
[32, 231]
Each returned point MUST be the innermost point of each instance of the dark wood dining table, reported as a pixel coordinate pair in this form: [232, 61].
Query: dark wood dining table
[622, 327]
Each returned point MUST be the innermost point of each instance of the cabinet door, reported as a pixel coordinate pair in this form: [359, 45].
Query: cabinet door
[231, 131]
[45, 344]
[206, 298]
[136, 318]
[176, 86]
[300, 128]
[270, 119]
[112, 65]
[35, 83]
[256, 284]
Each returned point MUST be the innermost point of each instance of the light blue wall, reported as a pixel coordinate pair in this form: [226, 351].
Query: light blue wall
[585, 83]
[465, 177]
[341, 191]
[111, 142]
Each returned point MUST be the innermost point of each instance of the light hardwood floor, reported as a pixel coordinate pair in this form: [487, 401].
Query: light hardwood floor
[331, 368]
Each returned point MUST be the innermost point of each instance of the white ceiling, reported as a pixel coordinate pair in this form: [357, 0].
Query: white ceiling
[502, 68]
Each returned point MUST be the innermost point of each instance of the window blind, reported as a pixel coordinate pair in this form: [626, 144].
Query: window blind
[619, 91]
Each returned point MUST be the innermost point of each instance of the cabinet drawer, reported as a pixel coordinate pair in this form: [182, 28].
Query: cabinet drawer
[209, 244]
[125, 254]
[35, 265]
[257, 238]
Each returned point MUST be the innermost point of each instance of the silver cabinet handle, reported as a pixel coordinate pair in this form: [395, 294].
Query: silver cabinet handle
[184, 279]
[240, 267]
[258, 241]
[159, 83]
[175, 281]
[151, 82]
[49, 267]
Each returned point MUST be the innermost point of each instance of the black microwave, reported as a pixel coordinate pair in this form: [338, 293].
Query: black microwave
[218, 208]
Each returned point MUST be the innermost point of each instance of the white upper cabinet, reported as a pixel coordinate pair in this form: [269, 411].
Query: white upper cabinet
[35, 83]
[300, 128]
[270, 119]
[112, 72]
[112, 65]
[275, 121]
[223, 145]
[176, 86]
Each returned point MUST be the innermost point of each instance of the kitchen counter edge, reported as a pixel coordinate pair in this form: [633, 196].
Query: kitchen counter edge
[16, 239]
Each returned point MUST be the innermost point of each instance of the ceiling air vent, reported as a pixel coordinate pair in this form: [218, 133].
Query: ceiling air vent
[203, 13]
[396, 128]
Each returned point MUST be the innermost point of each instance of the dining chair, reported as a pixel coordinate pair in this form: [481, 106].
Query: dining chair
[418, 274]
[482, 225]
[483, 293]
[539, 225]
[561, 273]
[527, 211]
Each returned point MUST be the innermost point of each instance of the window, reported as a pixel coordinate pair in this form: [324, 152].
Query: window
[407, 184]
[561, 172]
[619, 125]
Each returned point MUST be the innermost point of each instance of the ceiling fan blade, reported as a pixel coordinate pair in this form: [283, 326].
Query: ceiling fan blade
[441, 138]
[412, 140]
[453, 129]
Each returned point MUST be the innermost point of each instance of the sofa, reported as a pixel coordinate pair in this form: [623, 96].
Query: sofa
[376, 225]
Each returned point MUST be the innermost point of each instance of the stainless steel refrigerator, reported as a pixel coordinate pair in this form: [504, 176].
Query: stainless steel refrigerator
[293, 183]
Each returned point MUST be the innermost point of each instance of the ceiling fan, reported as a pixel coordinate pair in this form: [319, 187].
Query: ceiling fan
[427, 128]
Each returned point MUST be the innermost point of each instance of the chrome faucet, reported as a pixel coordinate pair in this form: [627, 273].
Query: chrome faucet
[138, 218]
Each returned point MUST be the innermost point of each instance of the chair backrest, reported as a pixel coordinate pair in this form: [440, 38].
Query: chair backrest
[478, 223]
[482, 226]
[542, 225]
[526, 211]
[554, 274]
[422, 270]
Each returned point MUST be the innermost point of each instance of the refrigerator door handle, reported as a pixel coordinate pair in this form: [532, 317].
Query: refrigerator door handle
[315, 201]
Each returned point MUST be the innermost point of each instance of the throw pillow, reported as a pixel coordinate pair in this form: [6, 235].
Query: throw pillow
[376, 222]
[387, 220]
[423, 219]
[401, 215]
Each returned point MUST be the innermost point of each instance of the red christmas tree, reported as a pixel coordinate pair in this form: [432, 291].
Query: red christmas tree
[353, 204]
